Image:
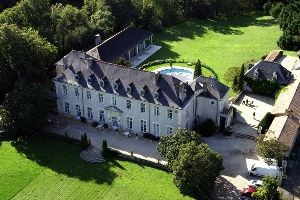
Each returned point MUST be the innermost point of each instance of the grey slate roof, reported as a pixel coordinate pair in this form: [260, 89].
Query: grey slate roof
[119, 44]
[266, 69]
[215, 89]
[76, 63]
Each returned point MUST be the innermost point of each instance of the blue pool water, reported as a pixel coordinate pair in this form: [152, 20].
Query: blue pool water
[182, 74]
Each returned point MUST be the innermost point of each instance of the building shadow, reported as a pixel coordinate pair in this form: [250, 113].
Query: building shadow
[63, 158]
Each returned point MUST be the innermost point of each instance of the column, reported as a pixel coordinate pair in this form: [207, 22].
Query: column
[137, 50]
[129, 55]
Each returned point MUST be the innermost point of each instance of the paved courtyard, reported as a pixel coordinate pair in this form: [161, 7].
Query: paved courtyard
[238, 151]
[140, 146]
[245, 122]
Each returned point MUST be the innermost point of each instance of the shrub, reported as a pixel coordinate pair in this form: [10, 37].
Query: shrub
[276, 9]
[95, 124]
[207, 128]
[263, 87]
[84, 142]
[266, 122]
[108, 152]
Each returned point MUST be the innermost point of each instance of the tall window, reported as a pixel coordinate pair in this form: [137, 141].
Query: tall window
[78, 110]
[156, 129]
[100, 98]
[76, 92]
[88, 95]
[129, 123]
[67, 107]
[101, 116]
[143, 107]
[156, 111]
[169, 130]
[90, 113]
[114, 100]
[65, 89]
[143, 126]
[170, 114]
[128, 104]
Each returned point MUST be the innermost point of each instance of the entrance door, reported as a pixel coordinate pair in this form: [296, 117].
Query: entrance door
[222, 123]
[78, 111]
[114, 122]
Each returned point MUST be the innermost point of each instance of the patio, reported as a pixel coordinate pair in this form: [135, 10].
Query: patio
[141, 147]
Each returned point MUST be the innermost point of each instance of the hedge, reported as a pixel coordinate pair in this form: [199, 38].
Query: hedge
[263, 87]
[158, 62]
[266, 122]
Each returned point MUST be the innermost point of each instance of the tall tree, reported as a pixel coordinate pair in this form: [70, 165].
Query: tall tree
[196, 170]
[24, 60]
[241, 77]
[71, 27]
[100, 16]
[198, 69]
[169, 146]
[31, 14]
[270, 149]
[24, 107]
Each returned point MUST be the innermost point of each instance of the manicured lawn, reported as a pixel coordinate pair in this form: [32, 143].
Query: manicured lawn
[220, 43]
[42, 168]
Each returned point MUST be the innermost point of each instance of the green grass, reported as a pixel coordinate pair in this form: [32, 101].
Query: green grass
[42, 168]
[220, 43]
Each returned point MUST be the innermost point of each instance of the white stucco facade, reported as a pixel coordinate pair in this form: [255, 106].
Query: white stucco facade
[136, 115]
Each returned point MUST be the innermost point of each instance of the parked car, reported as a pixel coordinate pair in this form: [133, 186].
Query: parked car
[255, 183]
[264, 170]
[247, 192]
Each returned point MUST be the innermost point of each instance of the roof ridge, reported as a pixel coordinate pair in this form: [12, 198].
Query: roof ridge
[108, 39]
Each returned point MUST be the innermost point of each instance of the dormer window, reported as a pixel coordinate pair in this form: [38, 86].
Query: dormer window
[90, 79]
[143, 92]
[116, 86]
[274, 76]
[256, 73]
[101, 82]
[128, 89]
[156, 95]
[77, 77]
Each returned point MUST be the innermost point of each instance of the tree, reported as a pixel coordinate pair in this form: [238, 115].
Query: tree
[198, 69]
[71, 27]
[24, 107]
[23, 54]
[235, 84]
[241, 77]
[270, 149]
[101, 19]
[25, 58]
[196, 170]
[169, 146]
[123, 62]
[230, 73]
[268, 190]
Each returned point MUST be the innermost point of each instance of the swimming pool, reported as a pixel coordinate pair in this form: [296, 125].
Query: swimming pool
[181, 73]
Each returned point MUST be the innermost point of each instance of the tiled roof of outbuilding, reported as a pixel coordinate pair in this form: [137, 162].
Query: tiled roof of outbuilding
[119, 44]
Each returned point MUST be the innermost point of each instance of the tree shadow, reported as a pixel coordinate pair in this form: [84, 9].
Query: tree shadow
[63, 158]
[225, 190]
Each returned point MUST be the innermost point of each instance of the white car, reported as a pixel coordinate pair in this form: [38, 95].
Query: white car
[255, 183]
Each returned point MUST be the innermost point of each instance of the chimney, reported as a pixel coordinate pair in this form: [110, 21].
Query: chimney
[205, 86]
[156, 78]
[287, 112]
[97, 39]
[90, 61]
